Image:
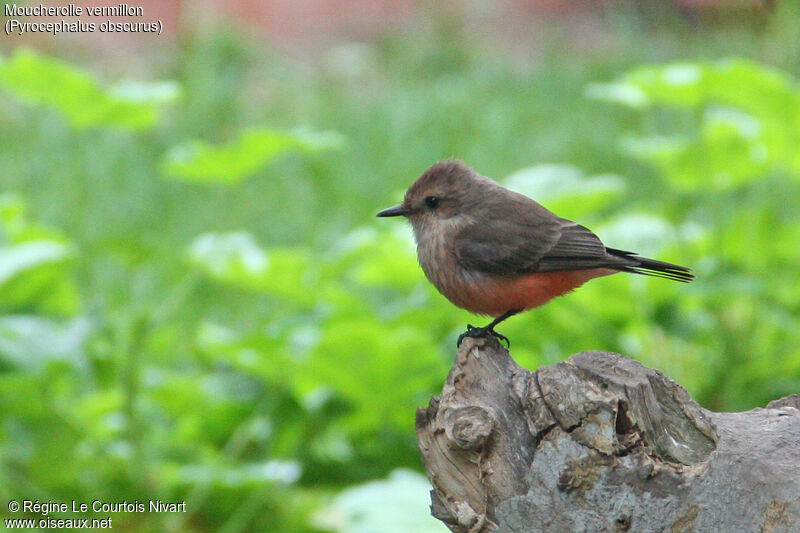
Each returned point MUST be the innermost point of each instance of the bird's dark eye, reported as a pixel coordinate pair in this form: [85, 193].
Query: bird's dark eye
[432, 202]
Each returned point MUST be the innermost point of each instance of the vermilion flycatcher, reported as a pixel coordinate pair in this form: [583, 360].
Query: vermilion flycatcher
[496, 252]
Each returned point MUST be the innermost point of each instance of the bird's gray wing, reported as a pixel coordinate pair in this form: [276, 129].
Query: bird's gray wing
[577, 248]
[528, 238]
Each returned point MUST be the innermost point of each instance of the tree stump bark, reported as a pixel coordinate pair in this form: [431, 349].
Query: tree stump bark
[601, 443]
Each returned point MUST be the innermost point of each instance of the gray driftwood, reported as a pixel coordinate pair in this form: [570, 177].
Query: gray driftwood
[601, 443]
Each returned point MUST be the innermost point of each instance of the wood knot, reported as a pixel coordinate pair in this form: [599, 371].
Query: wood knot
[468, 428]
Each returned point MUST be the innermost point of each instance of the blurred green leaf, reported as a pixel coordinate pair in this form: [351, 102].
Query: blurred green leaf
[741, 83]
[232, 257]
[74, 93]
[345, 359]
[749, 120]
[200, 162]
[721, 159]
[17, 259]
[381, 258]
[30, 271]
[646, 234]
[274, 471]
[30, 341]
[565, 189]
[147, 92]
[236, 259]
[399, 504]
[619, 93]
[36, 264]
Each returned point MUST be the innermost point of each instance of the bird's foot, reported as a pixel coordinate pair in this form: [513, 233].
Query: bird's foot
[486, 331]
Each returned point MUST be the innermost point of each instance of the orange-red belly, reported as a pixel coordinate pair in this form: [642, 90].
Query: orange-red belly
[497, 295]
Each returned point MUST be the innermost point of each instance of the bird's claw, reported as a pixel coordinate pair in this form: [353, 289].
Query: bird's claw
[474, 332]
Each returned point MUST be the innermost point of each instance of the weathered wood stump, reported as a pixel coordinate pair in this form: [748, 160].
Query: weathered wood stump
[601, 443]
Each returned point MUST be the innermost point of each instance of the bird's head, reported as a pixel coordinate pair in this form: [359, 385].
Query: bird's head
[443, 194]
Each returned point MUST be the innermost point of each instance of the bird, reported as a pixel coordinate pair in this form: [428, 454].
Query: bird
[497, 253]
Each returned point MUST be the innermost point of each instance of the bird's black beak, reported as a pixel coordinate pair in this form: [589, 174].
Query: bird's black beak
[396, 211]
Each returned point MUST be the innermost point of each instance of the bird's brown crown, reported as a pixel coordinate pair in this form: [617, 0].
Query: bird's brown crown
[450, 180]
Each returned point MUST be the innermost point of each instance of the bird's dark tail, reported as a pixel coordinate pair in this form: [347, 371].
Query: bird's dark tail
[650, 267]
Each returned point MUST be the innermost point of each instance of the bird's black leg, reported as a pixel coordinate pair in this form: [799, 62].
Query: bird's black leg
[472, 331]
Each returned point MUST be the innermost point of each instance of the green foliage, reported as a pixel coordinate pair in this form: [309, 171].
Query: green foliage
[566, 190]
[735, 145]
[48, 82]
[396, 505]
[748, 120]
[36, 264]
[31, 342]
[258, 349]
[199, 162]
[339, 324]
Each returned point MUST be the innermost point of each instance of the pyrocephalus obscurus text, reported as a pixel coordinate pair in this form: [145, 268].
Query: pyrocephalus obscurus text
[496, 252]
